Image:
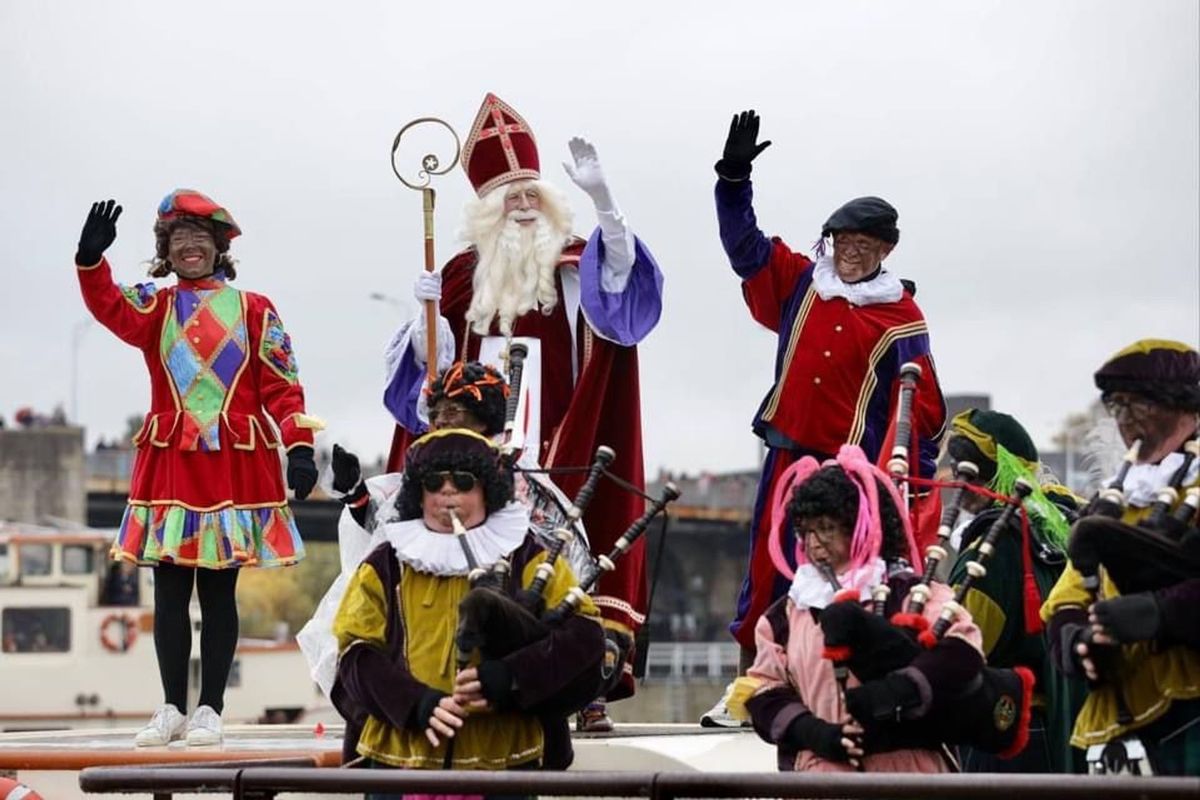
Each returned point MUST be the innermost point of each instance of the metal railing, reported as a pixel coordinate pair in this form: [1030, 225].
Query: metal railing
[262, 783]
[690, 660]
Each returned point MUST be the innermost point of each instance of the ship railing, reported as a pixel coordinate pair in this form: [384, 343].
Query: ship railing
[265, 783]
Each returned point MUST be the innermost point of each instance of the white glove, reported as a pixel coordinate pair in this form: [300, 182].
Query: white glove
[445, 341]
[428, 286]
[619, 253]
[587, 173]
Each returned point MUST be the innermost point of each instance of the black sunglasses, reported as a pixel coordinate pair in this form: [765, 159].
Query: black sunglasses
[463, 481]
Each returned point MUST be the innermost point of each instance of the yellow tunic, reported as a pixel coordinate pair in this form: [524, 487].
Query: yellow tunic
[1148, 676]
[429, 613]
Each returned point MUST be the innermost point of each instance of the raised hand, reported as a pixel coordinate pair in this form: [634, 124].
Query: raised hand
[346, 471]
[584, 169]
[99, 232]
[741, 146]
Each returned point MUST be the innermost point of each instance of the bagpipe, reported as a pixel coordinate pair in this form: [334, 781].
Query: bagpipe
[1159, 551]
[498, 616]
[970, 703]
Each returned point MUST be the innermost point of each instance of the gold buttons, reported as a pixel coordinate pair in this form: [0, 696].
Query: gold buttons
[837, 328]
[195, 340]
[828, 354]
[816, 380]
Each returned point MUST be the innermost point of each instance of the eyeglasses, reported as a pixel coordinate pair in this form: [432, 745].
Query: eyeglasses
[1137, 407]
[824, 530]
[463, 481]
[860, 244]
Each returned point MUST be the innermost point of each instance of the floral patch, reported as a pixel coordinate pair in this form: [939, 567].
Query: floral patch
[141, 295]
[276, 348]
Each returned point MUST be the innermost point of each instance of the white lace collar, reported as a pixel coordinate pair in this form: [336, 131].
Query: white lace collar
[1144, 480]
[810, 589]
[883, 288]
[442, 554]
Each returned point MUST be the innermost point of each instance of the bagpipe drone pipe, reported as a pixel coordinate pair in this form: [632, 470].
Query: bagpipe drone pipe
[920, 689]
[1160, 550]
[498, 616]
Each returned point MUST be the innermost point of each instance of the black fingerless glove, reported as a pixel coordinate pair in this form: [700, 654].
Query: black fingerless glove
[810, 732]
[496, 679]
[886, 698]
[418, 720]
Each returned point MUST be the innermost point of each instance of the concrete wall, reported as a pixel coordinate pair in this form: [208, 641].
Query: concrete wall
[42, 474]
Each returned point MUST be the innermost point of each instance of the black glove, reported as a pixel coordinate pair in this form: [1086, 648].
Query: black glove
[99, 231]
[810, 732]
[346, 472]
[423, 710]
[496, 680]
[885, 698]
[301, 471]
[1132, 618]
[741, 147]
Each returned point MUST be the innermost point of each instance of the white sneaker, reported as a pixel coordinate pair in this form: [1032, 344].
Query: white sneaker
[719, 717]
[167, 725]
[204, 727]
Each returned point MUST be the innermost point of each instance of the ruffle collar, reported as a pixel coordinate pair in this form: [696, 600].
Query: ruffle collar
[883, 288]
[810, 589]
[1143, 481]
[442, 554]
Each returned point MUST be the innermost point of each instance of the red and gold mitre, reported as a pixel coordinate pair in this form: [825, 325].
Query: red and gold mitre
[500, 148]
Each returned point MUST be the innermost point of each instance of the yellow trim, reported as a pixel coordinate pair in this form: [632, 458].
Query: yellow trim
[890, 337]
[1147, 346]
[294, 445]
[154, 429]
[307, 421]
[438, 434]
[219, 507]
[961, 425]
[93, 266]
[801, 317]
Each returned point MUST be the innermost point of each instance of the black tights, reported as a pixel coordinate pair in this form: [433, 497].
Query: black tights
[173, 631]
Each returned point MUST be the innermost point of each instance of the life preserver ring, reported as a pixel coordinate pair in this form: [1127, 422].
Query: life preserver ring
[120, 640]
[11, 790]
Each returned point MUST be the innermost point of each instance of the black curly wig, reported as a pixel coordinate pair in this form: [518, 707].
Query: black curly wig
[455, 452]
[829, 492]
[460, 381]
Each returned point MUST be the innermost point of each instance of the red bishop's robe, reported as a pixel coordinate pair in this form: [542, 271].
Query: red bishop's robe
[601, 408]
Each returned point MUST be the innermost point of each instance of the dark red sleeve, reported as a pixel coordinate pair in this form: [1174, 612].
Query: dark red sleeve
[768, 289]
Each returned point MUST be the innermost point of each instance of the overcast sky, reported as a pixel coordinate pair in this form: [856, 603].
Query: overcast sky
[1043, 156]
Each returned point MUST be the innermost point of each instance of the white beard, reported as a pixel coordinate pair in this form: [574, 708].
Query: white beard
[515, 272]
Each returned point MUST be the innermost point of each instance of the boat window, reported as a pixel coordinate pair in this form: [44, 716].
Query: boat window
[36, 630]
[34, 558]
[78, 559]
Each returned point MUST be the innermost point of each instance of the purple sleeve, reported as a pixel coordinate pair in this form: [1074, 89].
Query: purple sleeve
[402, 392]
[748, 248]
[623, 317]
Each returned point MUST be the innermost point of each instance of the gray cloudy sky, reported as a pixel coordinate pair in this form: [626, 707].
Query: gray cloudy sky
[1043, 155]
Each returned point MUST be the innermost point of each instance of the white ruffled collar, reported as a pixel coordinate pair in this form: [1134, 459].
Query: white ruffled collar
[810, 589]
[442, 554]
[883, 288]
[1143, 481]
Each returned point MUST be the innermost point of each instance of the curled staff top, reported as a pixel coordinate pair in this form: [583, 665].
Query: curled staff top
[430, 163]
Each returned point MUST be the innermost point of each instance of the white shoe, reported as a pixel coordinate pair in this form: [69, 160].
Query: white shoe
[167, 725]
[719, 717]
[204, 727]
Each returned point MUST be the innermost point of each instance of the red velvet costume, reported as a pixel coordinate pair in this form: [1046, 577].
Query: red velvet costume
[207, 487]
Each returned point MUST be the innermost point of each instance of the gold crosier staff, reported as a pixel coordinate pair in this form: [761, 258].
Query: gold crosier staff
[429, 168]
